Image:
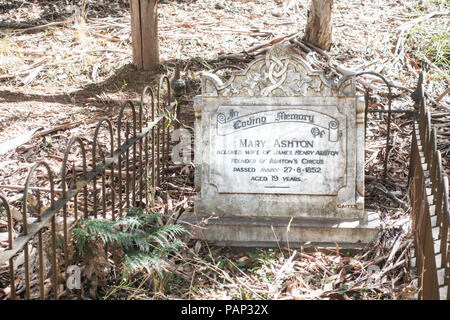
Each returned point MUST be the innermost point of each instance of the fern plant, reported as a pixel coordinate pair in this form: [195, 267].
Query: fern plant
[142, 240]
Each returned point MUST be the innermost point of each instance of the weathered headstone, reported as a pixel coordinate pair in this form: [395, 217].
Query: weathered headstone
[279, 153]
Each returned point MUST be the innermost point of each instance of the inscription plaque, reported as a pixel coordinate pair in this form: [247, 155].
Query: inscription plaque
[271, 149]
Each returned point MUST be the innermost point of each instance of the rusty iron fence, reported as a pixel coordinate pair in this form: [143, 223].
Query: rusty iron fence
[121, 173]
[126, 169]
[429, 206]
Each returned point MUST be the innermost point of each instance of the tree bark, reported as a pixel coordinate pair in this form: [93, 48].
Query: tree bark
[144, 34]
[318, 27]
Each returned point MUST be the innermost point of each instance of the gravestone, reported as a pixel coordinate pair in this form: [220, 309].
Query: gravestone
[279, 157]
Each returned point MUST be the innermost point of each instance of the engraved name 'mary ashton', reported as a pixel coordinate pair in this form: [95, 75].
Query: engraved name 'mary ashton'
[247, 143]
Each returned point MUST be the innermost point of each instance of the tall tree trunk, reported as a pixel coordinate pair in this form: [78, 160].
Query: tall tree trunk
[144, 34]
[318, 27]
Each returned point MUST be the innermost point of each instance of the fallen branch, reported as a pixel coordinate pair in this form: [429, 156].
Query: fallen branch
[16, 187]
[17, 141]
[270, 43]
[27, 70]
[402, 204]
[45, 26]
[24, 138]
[63, 126]
[446, 92]
[410, 24]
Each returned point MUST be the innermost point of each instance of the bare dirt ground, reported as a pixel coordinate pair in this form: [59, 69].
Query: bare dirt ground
[59, 65]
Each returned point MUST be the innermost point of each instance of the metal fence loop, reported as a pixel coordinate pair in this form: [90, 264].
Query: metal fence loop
[136, 152]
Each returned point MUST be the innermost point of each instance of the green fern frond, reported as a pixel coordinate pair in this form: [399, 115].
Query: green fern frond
[137, 261]
[144, 243]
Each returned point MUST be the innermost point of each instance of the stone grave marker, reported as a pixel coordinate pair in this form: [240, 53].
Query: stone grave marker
[279, 157]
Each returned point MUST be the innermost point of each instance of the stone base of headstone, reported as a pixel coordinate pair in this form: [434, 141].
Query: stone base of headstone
[272, 232]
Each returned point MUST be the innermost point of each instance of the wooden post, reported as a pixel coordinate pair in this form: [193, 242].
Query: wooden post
[318, 27]
[144, 34]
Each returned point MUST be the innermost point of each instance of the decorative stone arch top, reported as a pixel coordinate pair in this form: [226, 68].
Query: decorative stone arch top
[280, 73]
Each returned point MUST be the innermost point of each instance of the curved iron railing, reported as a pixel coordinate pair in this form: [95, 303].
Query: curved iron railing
[122, 175]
